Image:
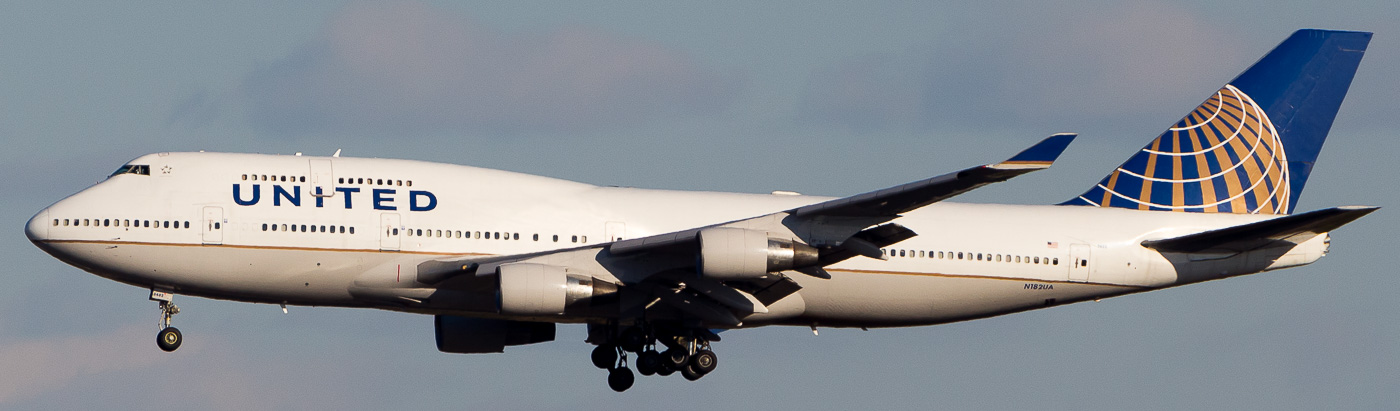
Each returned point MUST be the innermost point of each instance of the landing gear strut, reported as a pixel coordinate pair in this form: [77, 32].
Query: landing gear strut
[686, 350]
[169, 337]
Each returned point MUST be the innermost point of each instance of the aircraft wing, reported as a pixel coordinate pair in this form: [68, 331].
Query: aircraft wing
[661, 270]
[831, 223]
[1293, 229]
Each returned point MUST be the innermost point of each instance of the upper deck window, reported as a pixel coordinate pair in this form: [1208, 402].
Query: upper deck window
[144, 170]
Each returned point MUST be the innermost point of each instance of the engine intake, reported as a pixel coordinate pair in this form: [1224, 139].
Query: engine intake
[736, 254]
[545, 290]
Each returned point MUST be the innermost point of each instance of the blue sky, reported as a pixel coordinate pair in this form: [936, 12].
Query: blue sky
[821, 98]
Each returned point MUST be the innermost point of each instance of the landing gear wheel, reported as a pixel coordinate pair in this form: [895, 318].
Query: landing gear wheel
[690, 373]
[633, 340]
[704, 361]
[169, 339]
[604, 356]
[674, 358]
[665, 369]
[620, 379]
[649, 362]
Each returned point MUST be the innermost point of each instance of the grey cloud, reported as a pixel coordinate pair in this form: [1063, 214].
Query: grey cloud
[37, 366]
[1102, 63]
[409, 66]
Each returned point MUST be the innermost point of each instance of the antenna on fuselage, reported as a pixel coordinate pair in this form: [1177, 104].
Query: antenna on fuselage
[337, 153]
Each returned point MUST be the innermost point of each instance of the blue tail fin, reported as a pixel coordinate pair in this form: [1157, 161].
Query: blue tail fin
[1250, 147]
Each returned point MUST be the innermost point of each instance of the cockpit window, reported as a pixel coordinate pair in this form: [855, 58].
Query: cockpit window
[133, 169]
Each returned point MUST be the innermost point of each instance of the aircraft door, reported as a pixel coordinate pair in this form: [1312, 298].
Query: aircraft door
[213, 225]
[389, 232]
[1080, 255]
[615, 230]
[321, 183]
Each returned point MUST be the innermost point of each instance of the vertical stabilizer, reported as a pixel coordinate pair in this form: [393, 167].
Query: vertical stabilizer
[1250, 147]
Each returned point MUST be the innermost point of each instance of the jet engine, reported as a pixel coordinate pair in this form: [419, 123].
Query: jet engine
[545, 290]
[466, 335]
[739, 254]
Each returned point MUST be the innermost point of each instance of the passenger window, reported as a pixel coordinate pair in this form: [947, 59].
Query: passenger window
[1056, 262]
[419, 232]
[478, 235]
[584, 239]
[537, 237]
[303, 179]
[400, 182]
[352, 230]
[187, 224]
[497, 235]
[340, 180]
[379, 182]
[516, 236]
[409, 183]
[556, 238]
[245, 177]
[575, 239]
[106, 223]
[217, 226]
[396, 231]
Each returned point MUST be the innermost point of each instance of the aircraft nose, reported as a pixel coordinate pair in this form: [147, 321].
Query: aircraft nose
[38, 227]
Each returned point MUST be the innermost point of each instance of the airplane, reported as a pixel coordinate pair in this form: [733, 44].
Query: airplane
[500, 258]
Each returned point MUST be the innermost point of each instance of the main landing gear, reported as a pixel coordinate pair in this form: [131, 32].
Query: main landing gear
[169, 337]
[687, 351]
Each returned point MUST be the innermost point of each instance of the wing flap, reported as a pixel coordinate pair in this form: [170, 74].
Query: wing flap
[1292, 229]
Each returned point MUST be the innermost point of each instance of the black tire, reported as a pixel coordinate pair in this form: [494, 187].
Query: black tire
[169, 339]
[648, 362]
[704, 361]
[690, 373]
[674, 358]
[604, 356]
[665, 369]
[620, 379]
[633, 340]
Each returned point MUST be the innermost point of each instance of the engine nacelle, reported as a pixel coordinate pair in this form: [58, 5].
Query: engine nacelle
[736, 254]
[545, 290]
[466, 335]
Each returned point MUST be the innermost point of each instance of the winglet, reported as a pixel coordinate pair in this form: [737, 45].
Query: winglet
[1041, 155]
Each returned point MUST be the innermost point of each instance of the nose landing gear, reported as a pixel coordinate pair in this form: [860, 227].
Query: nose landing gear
[169, 337]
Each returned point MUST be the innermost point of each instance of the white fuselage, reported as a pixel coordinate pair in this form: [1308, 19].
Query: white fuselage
[251, 228]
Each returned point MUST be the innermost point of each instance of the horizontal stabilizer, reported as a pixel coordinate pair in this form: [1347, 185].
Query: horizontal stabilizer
[1290, 229]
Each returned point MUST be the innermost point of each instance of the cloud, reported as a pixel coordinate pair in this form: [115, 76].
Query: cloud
[412, 67]
[1097, 62]
[34, 367]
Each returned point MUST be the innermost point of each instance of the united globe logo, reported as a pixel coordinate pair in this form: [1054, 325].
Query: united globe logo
[1223, 157]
